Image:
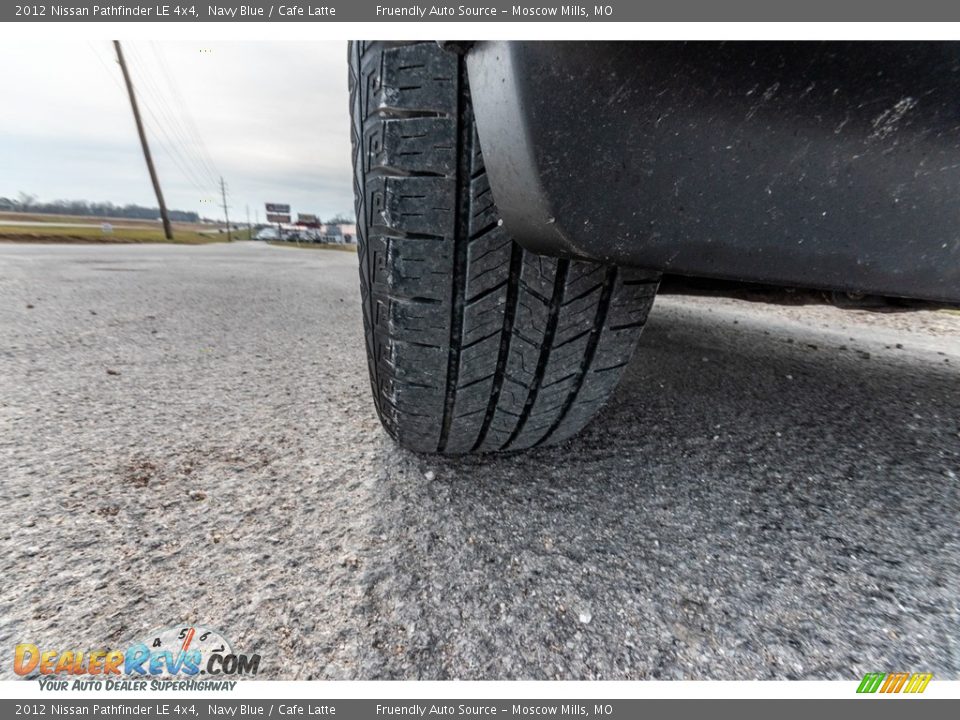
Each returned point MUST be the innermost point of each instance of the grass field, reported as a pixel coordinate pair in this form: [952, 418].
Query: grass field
[94, 234]
[13, 217]
[314, 246]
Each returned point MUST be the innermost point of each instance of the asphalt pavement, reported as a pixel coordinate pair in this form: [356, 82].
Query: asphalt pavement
[186, 436]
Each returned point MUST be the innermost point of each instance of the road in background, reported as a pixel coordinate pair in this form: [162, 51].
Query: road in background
[186, 435]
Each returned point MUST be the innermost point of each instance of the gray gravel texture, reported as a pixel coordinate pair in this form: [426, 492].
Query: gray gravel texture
[186, 435]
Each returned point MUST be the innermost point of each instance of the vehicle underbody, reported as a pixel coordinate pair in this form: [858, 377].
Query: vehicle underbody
[832, 166]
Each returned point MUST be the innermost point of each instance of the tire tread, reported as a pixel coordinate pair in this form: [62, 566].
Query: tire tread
[474, 344]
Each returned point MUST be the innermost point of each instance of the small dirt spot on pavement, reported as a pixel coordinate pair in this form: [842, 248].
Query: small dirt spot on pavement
[139, 473]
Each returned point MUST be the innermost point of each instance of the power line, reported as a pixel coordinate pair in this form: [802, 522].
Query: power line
[179, 144]
[103, 63]
[164, 106]
[185, 108]
[174, 152]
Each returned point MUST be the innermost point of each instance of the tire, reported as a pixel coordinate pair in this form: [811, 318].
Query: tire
[474, 344]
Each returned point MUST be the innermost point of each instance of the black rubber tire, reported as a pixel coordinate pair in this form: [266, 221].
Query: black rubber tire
[474, 344]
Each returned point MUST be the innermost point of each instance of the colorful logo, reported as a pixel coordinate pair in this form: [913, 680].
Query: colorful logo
[166, 652]
[894, 682]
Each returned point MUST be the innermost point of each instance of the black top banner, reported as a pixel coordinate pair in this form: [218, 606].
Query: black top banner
[489, 11]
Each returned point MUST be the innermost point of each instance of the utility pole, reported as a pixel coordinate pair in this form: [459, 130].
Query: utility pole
[226, 215]
[249, 226]
[164, 216]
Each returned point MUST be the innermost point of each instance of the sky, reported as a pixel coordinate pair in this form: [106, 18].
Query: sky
[271, 117]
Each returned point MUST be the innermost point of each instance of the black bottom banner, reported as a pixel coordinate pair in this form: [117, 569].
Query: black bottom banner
[781, 709]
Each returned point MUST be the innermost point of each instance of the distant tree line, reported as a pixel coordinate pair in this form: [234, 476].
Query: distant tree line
[30, 204]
